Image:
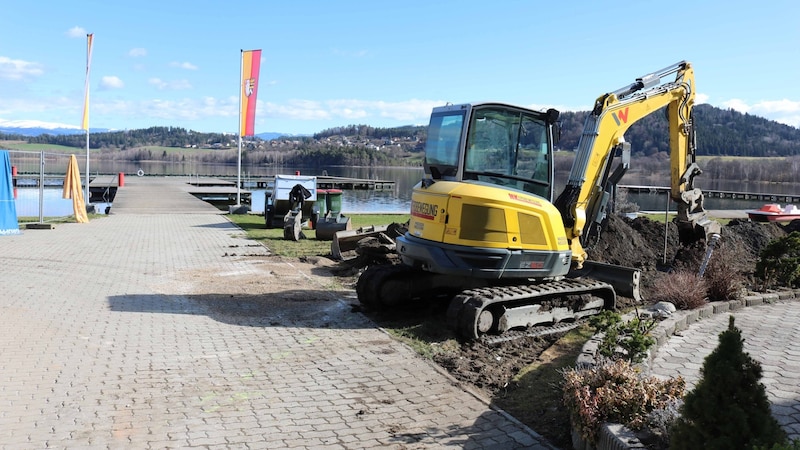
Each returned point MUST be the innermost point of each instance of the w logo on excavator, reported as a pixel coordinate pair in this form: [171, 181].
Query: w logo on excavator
[620, 117]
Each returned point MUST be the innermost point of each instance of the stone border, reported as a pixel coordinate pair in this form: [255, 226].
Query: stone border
[618, 437]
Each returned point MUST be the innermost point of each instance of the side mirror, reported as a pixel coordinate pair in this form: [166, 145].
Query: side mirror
[556, 127]
[552, 115]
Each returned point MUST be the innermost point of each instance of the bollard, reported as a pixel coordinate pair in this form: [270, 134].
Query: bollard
[121, 178]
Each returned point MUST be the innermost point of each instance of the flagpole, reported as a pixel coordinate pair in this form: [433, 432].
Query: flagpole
[86, 194]
[86, 112]
[239, 164]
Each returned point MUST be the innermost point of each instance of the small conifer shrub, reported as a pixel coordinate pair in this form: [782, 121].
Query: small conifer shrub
[728, 409]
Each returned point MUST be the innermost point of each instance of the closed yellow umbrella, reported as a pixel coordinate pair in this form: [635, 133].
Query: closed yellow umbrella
[72, 189]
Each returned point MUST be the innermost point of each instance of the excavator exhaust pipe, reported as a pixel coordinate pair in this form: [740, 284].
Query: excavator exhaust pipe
[624, 280]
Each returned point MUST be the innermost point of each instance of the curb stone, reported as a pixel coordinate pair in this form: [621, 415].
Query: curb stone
[619, 437]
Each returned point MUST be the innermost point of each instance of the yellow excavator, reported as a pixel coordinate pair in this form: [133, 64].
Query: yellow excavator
[486, 231]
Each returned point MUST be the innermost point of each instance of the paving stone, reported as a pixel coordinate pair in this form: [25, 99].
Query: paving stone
[767, 339]
[105, 346]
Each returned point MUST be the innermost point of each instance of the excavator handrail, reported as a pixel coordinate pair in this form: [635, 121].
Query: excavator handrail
[649, 80]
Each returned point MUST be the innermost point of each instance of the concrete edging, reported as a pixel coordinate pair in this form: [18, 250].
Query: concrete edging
[618, 437]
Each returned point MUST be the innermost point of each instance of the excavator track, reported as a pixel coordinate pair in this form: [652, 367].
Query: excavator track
[532, 332]
[493, 313]
[497, 309]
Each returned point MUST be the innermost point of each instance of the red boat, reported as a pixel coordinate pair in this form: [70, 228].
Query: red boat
[773, 212]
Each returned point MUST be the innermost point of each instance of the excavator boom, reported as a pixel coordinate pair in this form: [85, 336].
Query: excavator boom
[584, 201]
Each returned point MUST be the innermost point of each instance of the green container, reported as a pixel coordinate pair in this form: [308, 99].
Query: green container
[334, 200]
[322, 202]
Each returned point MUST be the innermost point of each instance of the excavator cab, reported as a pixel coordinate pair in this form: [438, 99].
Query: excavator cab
[495, 144]
[484, 207]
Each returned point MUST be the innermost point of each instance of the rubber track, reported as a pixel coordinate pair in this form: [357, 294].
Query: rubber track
[502, 294]
[531, 332]
[480, 298]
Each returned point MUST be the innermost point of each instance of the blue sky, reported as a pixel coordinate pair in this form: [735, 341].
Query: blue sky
[334, 63]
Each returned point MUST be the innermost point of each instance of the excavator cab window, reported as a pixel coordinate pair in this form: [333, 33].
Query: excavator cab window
[509, 148]
[443, 143]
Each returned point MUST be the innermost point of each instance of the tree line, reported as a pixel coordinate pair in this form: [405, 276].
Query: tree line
[720, 132]
[123, 140]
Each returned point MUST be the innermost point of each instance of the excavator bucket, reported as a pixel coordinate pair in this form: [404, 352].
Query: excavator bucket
[624, 280]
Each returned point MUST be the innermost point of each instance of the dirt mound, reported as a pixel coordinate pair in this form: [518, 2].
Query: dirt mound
[637, 243]
[641, 243]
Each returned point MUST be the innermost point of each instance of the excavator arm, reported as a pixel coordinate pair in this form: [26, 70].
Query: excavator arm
[585, 198]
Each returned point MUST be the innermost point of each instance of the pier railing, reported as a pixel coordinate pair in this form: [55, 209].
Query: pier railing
[36, 176]
[711, 193]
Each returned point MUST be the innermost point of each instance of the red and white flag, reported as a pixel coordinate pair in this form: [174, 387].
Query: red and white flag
[251, 62]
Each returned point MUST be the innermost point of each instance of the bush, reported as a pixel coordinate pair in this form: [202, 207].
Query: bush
[728, 409]
[723, 282]
[684, 289]
[615, 392]
[779, 262]
[632, 337]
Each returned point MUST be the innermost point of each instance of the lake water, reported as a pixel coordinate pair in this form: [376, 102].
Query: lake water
[397, 200]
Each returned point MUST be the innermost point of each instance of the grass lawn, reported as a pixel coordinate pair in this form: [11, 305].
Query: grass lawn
[254, 227]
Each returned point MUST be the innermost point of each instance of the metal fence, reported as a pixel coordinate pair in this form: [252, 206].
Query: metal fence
[38, 179]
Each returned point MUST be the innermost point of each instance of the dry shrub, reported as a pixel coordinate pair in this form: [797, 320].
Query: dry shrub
[615, 392]
[684, 289]
[723, 281]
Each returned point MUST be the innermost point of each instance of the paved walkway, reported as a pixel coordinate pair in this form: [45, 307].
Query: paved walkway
[106, 343]
[771, 334]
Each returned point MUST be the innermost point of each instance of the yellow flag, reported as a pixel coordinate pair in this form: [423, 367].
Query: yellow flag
[85, 123]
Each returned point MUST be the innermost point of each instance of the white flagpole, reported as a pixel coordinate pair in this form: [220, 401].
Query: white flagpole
[86, 114]
[239, 164]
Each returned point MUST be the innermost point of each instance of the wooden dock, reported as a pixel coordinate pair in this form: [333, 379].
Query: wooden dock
[218, 192]
[160, 195]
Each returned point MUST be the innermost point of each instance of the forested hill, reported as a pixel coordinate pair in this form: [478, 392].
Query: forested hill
[720, 132]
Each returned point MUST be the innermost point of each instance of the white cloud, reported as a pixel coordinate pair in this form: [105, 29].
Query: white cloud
[167, 112]
[778, 106]
[782, 111]
[137, 52]
[297, 110]
[174, 85]
[736, 105]
[111, 82]
[410, 111]
[17, 69]
[699, 99]
[183, 65]
[76, 32]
